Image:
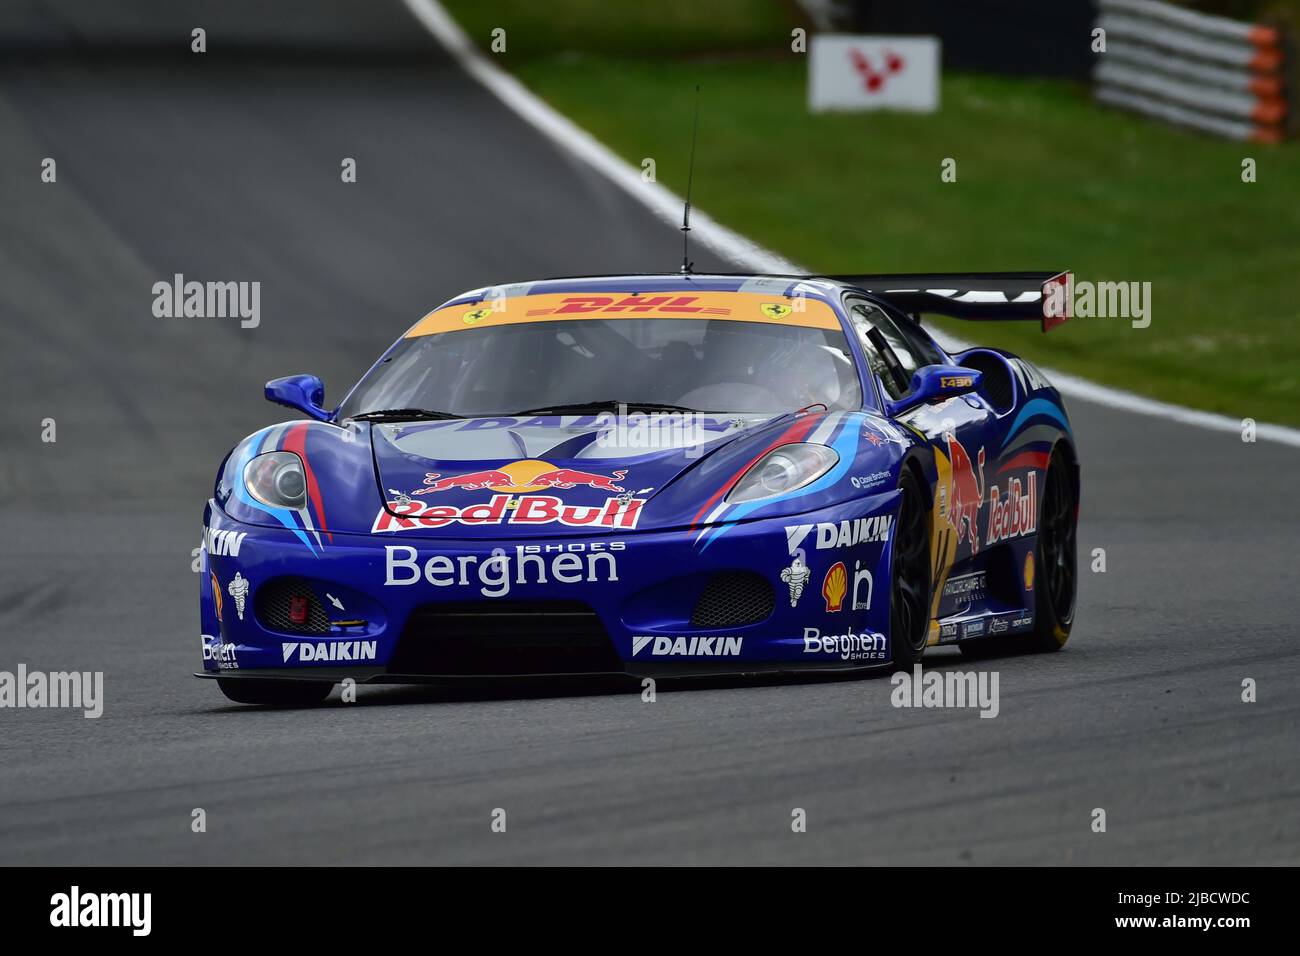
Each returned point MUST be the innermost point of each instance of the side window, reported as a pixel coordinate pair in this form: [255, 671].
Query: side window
[909, 351]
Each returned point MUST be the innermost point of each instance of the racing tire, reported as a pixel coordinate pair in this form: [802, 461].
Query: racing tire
[1055, 573]
[275, 693]
[1055, 559]
[909, 577]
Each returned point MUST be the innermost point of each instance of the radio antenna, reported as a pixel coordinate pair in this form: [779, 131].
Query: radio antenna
[690, 179]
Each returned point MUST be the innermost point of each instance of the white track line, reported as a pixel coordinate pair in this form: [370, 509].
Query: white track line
[667, 205]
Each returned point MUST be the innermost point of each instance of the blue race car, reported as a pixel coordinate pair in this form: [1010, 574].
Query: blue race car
[651, 475]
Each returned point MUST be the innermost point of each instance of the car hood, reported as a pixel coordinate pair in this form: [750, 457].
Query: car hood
[542, 476]
[503, 478]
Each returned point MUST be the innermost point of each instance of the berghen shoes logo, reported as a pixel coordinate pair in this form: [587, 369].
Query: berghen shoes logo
[208, 300]
[76, 909]
[38, 689]
[527, 566]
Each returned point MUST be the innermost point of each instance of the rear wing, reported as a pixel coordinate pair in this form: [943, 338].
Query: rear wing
[1043, 297]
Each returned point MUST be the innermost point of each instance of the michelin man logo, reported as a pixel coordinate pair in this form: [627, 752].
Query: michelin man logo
[239, 591]
[796, 575]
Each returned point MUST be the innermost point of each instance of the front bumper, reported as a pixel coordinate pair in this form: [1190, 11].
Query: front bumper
[387, 608]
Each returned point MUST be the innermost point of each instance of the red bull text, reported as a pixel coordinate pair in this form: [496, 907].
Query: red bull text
[1016, 514]
[510, 509]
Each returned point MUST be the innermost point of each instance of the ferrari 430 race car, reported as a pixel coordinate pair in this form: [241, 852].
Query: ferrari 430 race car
[651, 475]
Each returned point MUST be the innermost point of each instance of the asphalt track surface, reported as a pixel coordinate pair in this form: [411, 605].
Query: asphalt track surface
[227, 167]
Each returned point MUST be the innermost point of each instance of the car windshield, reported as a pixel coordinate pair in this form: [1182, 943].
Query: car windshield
[706, 365]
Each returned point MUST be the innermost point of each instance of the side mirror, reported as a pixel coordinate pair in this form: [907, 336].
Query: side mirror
[933, 382]
[306, 393]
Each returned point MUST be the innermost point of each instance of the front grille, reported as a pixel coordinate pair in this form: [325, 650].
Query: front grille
[733, 599]
[515, 637]
[274, 607]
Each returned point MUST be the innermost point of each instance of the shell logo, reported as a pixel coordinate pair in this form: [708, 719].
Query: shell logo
[216, 594]
[834, 586]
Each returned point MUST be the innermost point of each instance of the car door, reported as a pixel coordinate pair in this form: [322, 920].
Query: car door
[955, 428]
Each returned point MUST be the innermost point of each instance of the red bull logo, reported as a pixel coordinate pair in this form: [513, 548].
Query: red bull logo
[569, 478]
[521, 477]
[409, 515]
[1014, 515]
[472, 481]
[967, 493]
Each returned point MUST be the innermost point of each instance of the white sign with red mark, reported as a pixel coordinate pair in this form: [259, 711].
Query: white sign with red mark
[873, 72]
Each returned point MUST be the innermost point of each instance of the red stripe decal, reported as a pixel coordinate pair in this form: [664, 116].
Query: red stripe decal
[1026, 459]
[295, 440]
[796, 432]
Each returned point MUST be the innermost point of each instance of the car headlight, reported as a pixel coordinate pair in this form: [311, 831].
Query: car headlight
[277, 479]
[783, 470]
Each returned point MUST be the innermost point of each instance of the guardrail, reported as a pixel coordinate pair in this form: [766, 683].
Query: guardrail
[1211, 73]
